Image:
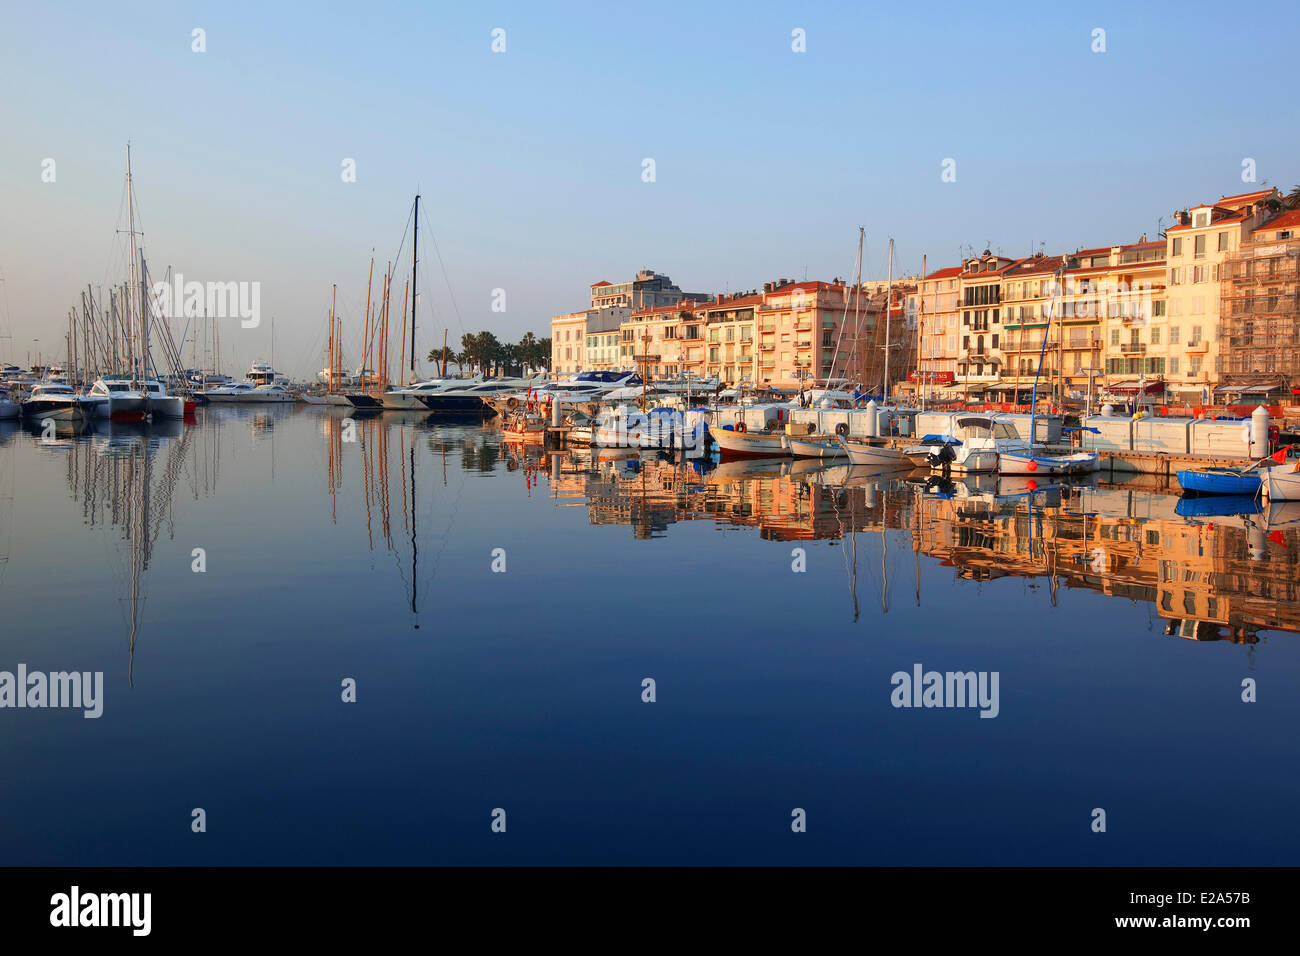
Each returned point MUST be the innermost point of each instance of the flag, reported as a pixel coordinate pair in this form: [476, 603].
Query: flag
[1279, 456]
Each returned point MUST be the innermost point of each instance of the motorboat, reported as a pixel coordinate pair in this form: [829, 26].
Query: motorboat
[663, 428]
[267, 393]
[998, 437]
[582, 387]
[233, 392]
[9, 409]
[55, 401]
[950, 454]
[471, 398]
[408, 396]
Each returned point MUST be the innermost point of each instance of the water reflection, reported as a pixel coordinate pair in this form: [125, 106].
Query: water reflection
[1217, 571]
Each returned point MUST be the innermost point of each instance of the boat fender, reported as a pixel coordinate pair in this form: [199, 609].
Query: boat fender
[842, 429]
[741, 427]
[1032, 466]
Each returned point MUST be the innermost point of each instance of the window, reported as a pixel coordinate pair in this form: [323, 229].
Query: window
[1201, 219]
[965, 342]
[1173, 334]
[1194, 365]
[1114, 336]
[1284, 234]
[1223, 242]
[1158, 307]
[1196, 335]
[995, 340]
[1155, 336]
[1173, 365]
[1198, 247]
[1177, 248]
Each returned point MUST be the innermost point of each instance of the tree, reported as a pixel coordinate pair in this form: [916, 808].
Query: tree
[1292, 199]
[489, 350]
[527, 351]
[443, 353]
[544, 353]
[470, 350]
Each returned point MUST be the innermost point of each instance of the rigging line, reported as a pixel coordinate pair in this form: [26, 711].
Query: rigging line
[434, 239]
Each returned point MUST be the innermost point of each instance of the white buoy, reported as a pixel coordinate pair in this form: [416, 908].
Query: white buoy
[873, 419]
[1259, 433]
[1108, 411]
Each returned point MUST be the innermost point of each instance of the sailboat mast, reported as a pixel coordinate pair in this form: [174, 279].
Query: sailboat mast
[889, 296]
[415, 248]
[920, 335]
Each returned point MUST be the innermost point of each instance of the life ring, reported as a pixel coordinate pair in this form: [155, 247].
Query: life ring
[512, 403]
[741, 427]
[842, 429]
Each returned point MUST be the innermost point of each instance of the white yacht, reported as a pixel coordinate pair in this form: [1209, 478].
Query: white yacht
[232, 392]
[118, 397]
[471, 398]
[409, 396]
[54, 400]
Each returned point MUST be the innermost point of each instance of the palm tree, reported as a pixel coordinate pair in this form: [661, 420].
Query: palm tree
[544, 353]
[527, 350]
[1292, 199]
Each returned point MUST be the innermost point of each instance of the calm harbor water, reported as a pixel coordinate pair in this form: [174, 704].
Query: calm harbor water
[1121, 631]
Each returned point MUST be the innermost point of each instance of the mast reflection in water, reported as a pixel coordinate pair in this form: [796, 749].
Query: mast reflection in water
[498, 608]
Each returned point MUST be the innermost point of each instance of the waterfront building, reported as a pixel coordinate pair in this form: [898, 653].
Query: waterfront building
[578, 338]
[980, 332]
[1259, 294]
[1199, 243]
[938, 295]
[648, 290]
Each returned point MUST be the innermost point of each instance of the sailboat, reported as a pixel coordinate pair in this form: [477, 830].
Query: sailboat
[859, 450]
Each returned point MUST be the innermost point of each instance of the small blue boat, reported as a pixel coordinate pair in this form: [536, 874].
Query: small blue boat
[1218, 481]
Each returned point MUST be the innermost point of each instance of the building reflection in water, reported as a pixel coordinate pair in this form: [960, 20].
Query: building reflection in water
[1207, 576]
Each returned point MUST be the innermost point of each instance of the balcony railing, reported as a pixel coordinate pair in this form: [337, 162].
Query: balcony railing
[1200, 346]
[1133, 348]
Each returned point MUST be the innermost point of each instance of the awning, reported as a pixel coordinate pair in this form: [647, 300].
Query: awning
[1131, 387]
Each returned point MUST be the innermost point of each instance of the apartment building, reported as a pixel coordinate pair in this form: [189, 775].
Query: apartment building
[980, 332]
[938, 296]
[648, 290]
[1198, 244]
[1259, 295]
[580, 338]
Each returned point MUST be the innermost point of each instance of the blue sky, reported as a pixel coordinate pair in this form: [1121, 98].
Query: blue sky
[529, 161]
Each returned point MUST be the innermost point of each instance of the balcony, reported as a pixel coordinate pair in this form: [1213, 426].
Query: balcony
[1133, 348]
[1197, 348]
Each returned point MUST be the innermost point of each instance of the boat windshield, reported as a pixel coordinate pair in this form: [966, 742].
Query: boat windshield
[1005, 430]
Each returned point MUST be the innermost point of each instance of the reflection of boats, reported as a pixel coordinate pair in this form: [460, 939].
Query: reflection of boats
[1218, 506]
[729, 471]
[1218, 481]
[1282, 514]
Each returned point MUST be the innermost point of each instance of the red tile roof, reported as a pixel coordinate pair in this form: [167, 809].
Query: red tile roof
[1245, 198]
[1227, 217]
[600, 283]
[945, 273]
[1286, 219]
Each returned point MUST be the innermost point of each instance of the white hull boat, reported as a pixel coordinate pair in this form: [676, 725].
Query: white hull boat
[737, 444]
[812, 447]
[1281, 482]
[862, 453]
